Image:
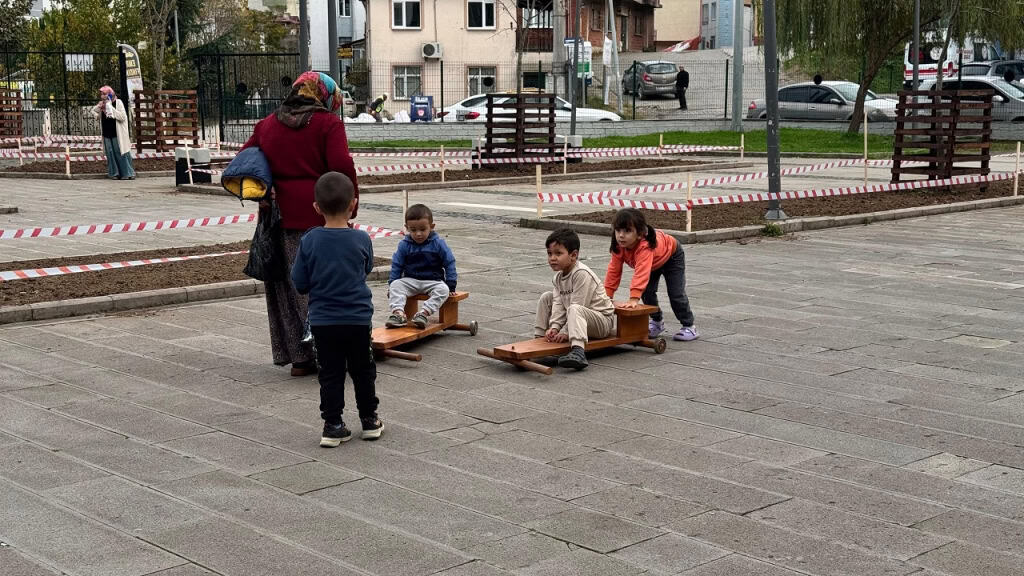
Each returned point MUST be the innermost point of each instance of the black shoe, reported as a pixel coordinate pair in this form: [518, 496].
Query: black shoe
[334, 434]
[306, 368]
[372, 427]
[576, 358]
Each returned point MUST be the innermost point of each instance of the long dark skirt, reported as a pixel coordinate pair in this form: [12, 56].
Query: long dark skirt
[286, 310]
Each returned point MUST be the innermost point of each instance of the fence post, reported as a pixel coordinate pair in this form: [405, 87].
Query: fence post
[67, 159]
[199, 96]
[742, 144]
[865, 149]
[661, 142]
[442, 117]
[442, 162]
[634, 89]
[725, 107]
[565, 156]
[67, 102]
[689, 198]
[220, 98]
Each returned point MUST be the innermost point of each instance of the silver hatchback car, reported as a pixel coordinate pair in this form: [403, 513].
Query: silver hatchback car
[1007, 103]
[652, 77]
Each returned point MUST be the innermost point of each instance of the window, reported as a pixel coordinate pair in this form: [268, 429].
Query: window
[714, 11]
[534, 18]
[407, 81]
[345, 8]
[482, 79]
[797, 94]
[596, 21]
[481, 14]
[703, 13]
[638, 24]
[821, 95]
[711, 44]
[534, 80]
[405, 13]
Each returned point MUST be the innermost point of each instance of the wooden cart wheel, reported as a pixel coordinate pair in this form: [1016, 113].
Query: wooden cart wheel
[660, 345]
[473, 328]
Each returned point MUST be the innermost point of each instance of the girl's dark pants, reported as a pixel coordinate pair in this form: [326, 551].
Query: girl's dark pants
[674, 272]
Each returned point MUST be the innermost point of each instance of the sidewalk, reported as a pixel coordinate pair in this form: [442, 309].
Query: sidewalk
[854, 406]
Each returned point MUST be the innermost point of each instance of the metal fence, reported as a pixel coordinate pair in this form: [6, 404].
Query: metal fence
[241, 88]
[59, 88]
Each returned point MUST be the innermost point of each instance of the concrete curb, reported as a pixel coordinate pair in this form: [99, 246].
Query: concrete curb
[789, 226]
[145, 299]
[481, 182]
[55, 176]
[8, 209]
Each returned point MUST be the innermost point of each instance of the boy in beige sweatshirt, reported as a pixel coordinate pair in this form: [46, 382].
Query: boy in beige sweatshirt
[578, 308]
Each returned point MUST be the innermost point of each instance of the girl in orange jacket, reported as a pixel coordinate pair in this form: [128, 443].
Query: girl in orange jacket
[651, 254]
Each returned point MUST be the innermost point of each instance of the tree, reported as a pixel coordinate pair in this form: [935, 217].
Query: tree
[156, 16]
[12, 21]
[520, 26]
[963, 18]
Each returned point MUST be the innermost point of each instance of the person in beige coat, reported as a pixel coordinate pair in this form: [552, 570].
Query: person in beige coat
[117, 144]
[578, 308]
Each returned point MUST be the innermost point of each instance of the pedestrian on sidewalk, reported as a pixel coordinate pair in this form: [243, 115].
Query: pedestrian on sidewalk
[117, 144]
[302, 140]
[682, 83]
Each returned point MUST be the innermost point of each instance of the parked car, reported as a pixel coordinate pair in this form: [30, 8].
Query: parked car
[1007, 102]
[832, 100]
[474, 109]
[997, 69]
[652, 77]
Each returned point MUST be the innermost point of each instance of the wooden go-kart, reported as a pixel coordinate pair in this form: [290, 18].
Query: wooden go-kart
[385, 340]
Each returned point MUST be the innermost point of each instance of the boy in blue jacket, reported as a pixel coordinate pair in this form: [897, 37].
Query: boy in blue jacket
[423, 264]
[331, 266]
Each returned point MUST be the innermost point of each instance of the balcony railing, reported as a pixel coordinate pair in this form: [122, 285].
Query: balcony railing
[536, 40]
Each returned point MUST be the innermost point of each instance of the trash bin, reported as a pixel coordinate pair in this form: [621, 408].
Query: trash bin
[199, 158]
[421, 109]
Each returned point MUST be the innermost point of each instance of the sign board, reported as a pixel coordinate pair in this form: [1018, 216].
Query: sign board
[345, 52]
[584, 66]
[78, 62]
[133, 66]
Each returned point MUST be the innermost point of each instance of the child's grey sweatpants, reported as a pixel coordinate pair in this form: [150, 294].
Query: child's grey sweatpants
[400, 290]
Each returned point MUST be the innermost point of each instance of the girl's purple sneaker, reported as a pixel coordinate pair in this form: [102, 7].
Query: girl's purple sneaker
[686, 334]
[655, 327]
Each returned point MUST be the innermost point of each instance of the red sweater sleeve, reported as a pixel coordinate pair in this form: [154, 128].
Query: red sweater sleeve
[338, 157]
[644, 261]
[614, 275]
[254, 139]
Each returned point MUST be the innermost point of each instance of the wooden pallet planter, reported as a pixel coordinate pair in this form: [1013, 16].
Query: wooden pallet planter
[11, 119]
[166, 119]
[952, 126]
[521, 127]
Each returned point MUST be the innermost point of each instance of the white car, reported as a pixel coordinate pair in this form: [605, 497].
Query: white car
[474, 109]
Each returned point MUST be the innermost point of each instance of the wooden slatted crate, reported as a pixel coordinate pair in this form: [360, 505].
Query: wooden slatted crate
[521, 127]
[12, 123]
[166, 119]
[946, 129]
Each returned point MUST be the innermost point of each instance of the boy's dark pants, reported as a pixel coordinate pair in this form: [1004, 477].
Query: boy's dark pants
[675, 282]
[340, 348]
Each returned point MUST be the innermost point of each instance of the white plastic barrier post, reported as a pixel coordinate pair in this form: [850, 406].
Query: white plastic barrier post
[188, 164]
[742, 145]
[1016, 170]
[442, 163]
[21, 161]
[865, 149]
[67, 160]
[540, 190]
[661, 142]
[565, 156]
[405, 206]
[689, 197]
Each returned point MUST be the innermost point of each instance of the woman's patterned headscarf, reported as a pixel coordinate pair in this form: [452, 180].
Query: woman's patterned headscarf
[311, 92]
[108, 91]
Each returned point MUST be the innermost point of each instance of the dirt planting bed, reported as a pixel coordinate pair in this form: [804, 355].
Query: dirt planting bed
[510, 170]
[122, 280]
[99, 167]
[752, 213]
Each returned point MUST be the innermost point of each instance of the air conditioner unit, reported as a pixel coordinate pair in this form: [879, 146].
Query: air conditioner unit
[431, 50]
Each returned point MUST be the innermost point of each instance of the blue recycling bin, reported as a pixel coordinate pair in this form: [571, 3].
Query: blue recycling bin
[421, 108]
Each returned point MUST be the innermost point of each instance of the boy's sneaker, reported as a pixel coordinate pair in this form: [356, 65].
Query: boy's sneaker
[686, 334]
[420, 320]
[372, 427]
[334, 434]
[655, 327]
[396, 320]
[576, 358]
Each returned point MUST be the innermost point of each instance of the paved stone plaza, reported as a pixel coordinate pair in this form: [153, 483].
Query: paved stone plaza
[853, 407]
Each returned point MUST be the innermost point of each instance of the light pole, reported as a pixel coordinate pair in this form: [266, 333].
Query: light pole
[332, 40]
[771, 89]
[303, 36]
[916, 43]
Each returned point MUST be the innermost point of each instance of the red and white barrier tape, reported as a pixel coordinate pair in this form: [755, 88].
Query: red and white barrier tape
[207, 170]
[53, 138]
[617, 202]
[377, 231]
[79, 230]
[850, 190]
[417, 154]
[27, 273]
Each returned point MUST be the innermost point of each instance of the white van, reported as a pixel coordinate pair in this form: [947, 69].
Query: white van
[974, 50]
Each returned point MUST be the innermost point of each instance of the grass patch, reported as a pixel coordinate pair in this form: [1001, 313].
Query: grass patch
[354, 144]
[772, 230]
[790, 140]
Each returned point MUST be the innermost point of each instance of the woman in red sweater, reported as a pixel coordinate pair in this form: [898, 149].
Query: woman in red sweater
[651, 254]
[302, 140]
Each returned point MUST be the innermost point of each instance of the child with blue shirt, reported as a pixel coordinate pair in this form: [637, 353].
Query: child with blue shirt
[331, 266]
[422, 264]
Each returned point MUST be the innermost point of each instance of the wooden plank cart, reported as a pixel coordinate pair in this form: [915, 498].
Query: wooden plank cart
[630, 328]
[386, 339]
